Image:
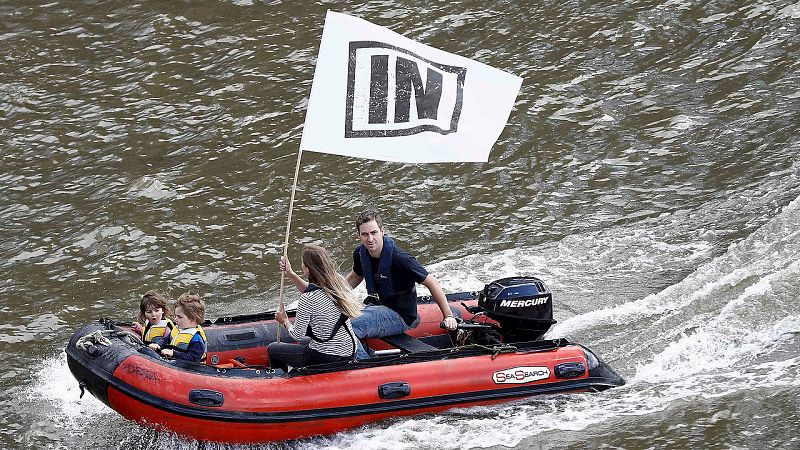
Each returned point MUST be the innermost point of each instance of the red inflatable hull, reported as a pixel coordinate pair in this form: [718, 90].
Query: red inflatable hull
[248, 404]
[317, 404]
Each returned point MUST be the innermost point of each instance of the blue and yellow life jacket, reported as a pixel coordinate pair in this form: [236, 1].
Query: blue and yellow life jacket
[164, 328]
[183, 337]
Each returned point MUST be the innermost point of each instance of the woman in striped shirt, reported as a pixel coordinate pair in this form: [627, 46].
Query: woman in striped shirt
[323, 314]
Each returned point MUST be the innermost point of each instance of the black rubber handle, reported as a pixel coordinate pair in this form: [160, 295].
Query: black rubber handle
[206, 397]
[394, 390]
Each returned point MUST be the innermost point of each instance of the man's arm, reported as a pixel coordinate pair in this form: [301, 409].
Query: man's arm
[353, 279]
[437, 293]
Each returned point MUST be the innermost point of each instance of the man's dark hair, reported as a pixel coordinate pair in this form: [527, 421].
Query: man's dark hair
[368, 216]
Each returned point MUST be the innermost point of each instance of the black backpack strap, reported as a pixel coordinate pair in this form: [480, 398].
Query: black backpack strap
[339, 324]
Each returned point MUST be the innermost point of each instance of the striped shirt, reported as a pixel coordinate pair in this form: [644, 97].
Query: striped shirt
[319, 311]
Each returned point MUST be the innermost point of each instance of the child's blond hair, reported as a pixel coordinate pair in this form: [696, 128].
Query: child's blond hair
[193, 306]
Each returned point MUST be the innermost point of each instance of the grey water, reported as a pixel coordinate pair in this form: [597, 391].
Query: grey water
[649, 173]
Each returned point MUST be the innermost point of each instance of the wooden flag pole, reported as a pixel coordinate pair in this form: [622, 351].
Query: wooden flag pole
[286, 239]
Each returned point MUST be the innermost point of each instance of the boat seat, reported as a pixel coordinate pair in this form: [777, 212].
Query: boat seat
[407, 344]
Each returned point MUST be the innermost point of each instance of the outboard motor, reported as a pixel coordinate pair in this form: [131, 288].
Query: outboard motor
[523, 306]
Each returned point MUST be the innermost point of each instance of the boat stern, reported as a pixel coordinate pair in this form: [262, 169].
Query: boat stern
[601, 375]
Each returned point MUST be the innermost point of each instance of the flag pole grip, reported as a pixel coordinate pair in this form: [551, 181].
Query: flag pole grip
[286, 239]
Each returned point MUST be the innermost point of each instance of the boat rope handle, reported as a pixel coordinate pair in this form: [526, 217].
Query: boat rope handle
[494, 350]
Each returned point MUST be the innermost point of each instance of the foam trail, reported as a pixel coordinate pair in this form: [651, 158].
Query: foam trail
[728, 338]
[769, 253]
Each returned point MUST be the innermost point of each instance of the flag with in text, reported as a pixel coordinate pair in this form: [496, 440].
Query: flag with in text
[379, 95]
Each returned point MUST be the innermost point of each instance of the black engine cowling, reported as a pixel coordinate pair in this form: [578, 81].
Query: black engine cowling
[523, 306]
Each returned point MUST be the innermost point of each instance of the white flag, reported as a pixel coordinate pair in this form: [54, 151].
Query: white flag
[379, 95]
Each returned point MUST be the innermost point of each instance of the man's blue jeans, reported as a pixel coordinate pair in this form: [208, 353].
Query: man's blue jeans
[376, 321]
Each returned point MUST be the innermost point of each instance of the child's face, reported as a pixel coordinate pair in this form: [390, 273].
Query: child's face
[181, 320]
[153, 315]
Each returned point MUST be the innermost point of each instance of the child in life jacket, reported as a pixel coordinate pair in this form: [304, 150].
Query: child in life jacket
[158, 329]
[190, 343]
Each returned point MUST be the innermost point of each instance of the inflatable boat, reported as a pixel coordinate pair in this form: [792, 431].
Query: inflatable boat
[496, 355]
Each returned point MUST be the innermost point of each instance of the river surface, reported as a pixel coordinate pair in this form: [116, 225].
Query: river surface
[649, 173]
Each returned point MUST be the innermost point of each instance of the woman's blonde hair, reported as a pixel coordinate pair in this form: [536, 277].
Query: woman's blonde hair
[322, 272]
